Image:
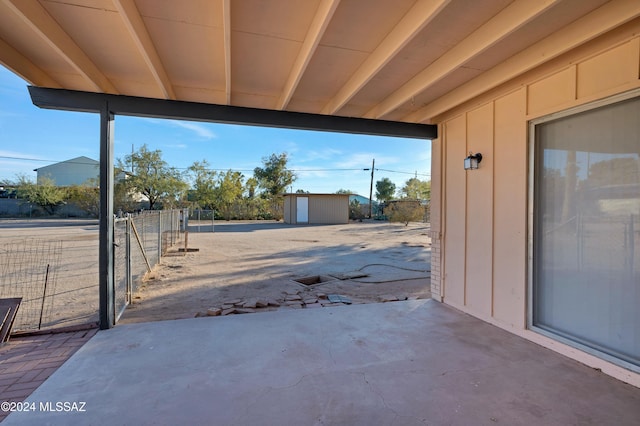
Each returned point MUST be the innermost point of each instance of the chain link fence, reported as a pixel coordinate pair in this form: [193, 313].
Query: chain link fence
[140, 241]
[52, 265]
[29, 270]
[200, 220]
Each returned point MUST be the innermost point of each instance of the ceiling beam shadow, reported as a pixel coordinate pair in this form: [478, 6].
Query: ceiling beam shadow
[509, 20]
[417, 18]
[590, 26]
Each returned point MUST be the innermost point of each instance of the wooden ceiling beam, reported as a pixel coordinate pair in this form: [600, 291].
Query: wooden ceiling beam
[314, 35]
[417, 18]
[22, 66]
[600, 21]
[226, 19]
[38, 19]
[138, 32]
[509, 20]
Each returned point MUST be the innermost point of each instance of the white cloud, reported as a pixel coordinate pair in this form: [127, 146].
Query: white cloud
[364, 159]
[199, 129]
[177, 145]
[324, 154]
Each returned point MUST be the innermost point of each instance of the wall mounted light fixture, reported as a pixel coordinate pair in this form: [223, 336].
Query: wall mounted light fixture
[472, 161]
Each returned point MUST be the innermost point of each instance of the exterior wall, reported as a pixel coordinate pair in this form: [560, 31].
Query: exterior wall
[289, 215]
[71, 172]
[329, 209]
[480, 217]
[323, 208]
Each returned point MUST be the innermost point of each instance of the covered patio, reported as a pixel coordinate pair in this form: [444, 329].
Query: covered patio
[402, 363]
[470, 79]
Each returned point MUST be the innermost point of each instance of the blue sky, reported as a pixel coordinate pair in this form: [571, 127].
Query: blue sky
[31, 137]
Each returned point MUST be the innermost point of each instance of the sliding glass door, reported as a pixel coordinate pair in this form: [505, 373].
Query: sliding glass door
[586, 229]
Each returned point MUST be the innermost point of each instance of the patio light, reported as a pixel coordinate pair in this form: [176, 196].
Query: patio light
[472, 161]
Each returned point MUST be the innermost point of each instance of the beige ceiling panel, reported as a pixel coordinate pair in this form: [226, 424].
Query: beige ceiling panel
[71, 81]
[253, 100]
[102, 36]
[206, 13]
[447, 29]
[305, 105]
[553, 20]
[447, 84]
[284, 19]
[453, 80]
[259, 64]
[451, 26]
[193, 55]
[144, 88]
[19, 37]
[329, 70]
[353, 110]
[362, 26]
[198, 94]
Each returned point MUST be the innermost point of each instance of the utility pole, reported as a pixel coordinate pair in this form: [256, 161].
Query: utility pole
[373, 167]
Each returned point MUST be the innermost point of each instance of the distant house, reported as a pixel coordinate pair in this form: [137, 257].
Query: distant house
[76, 171]
[364, 204]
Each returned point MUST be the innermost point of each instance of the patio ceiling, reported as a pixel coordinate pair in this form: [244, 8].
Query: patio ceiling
[400, 60]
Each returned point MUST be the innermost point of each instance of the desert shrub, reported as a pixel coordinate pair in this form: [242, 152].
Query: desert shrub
[405, 211]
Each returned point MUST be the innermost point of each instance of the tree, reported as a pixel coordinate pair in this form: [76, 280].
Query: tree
[416, 189]
[86, 197]
[153, 178]
[345, 191]
[251, 185]
[204, 184]
[228, 191]
[385, 189]
[44, 193]
[355, 210]
[274, 178]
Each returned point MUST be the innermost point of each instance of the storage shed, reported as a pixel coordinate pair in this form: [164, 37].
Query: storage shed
[316, 208]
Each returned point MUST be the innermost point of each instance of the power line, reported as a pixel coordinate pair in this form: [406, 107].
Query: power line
[45, 161]
[224, 170]
[406, 173]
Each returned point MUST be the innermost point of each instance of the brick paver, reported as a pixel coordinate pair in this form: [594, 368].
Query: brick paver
[26, 362]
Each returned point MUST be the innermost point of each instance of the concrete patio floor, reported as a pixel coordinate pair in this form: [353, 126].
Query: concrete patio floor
[401, 363]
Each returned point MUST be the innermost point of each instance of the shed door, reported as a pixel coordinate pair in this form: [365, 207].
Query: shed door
[302, 208]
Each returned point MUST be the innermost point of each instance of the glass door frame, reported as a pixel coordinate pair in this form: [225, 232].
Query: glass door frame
[532, 229]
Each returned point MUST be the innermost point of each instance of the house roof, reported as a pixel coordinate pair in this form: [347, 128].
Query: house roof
[308, 194]
[78, 160]
[401, 60]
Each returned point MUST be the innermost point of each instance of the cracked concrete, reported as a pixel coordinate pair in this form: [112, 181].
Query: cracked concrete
[400, 363]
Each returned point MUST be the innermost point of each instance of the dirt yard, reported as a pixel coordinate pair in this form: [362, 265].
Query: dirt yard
[247, 267]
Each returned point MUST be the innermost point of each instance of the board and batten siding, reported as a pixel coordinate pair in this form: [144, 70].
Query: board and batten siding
[480, 217]
[323, 208]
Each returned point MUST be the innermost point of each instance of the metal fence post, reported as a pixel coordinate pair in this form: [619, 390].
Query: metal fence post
[128, 266]
[159, 235]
